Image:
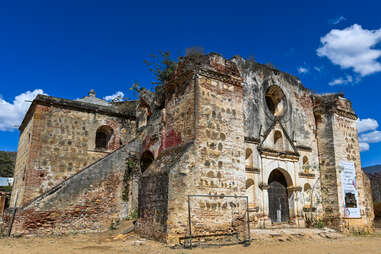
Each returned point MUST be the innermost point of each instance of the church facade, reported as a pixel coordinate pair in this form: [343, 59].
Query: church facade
[222, 147]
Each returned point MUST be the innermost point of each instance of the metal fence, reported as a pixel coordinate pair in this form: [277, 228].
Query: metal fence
[190, 236]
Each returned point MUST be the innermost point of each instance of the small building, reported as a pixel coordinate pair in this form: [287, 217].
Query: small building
[5, 193]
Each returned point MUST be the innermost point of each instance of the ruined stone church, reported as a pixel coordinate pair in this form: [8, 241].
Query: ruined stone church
[222, 147]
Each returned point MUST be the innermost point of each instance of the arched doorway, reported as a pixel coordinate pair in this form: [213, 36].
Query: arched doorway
[146, 160]
[278, 197]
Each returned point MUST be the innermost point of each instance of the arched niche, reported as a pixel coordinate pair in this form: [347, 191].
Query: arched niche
[102, 137]
[278, 140]
[249, 158]
[306, 165]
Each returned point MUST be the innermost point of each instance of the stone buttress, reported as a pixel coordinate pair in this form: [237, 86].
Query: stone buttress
[338, 142]
[204, 131]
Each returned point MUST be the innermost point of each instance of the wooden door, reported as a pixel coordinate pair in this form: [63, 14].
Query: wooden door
[278, 197]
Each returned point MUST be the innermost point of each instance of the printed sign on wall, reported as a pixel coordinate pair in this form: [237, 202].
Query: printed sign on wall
[350, 194]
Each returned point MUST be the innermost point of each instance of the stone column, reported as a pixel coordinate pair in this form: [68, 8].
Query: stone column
[295, 191]
[265, 221]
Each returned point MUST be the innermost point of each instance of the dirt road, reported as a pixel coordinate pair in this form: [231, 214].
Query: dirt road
[108, 243]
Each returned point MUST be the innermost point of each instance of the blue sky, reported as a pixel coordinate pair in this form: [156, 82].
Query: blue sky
[65, 49]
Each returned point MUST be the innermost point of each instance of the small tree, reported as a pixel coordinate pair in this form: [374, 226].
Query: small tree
[7, 164]
[162, 66]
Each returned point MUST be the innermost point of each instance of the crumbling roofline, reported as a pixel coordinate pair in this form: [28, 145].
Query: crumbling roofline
[66, 103]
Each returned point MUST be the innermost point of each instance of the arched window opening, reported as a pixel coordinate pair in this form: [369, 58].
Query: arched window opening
[250, 192]
[102, 137]
[276, 101]
[249, 158]
[306, 165]
[146, 160]
[278, 141]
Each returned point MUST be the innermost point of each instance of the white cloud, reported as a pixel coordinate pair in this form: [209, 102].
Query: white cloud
[341, 81]
[363, 147]
[367, 124]
[368, 133]
[370, 137]
[12, 113]
[352, 47]
[302, 70]
[317, 69]
[118, 96]
[337, 20]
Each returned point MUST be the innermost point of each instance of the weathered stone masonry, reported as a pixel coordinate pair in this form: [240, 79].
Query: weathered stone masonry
[58, 139]
[338, 140]
[88, 201]
[218, 128]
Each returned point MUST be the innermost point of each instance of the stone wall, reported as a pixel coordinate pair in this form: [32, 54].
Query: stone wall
[161, 197]
[298, 120]
[375, 179]
[88, 201]
[297, 129]
[369, 206]
[208, 110]
[162, 128]
[338, 141]
[58, 142]
[347, 149]
[216, 166]
[328, 173]
[22, 163]
[179, 115]
[220, 168]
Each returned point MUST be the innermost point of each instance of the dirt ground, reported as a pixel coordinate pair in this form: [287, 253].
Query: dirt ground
[113, 242]
[100, 244]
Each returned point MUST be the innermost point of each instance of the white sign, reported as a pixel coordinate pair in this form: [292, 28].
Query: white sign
[350, 194]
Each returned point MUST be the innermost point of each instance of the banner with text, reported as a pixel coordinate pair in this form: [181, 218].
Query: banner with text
[350, 194]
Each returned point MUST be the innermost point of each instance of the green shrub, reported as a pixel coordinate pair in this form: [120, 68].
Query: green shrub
[133, 215]
[314, 222]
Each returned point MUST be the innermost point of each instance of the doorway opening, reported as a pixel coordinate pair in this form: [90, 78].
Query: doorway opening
[278, 197]
[146, 160]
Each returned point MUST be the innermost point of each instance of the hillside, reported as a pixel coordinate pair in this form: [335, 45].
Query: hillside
[7, 163]
[372, 169]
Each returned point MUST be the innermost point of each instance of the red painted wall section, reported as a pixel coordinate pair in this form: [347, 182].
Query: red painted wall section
[170, 138]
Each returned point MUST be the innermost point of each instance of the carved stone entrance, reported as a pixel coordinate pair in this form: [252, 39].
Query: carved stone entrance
[278, 197]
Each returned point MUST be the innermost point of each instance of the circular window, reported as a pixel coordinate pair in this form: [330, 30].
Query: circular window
[276, 101]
